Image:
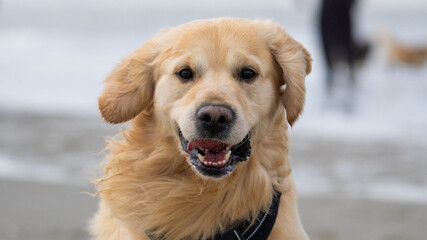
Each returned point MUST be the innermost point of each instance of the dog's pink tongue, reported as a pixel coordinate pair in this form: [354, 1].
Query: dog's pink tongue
[208, 144]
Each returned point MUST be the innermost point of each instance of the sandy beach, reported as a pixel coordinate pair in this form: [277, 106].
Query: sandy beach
[38, 207]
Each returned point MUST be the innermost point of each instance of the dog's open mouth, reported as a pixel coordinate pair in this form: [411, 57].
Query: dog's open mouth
[213, 158]
[212, 153]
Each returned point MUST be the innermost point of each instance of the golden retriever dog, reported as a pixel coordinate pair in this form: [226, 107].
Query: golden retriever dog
[206, 153]
[398, 53]
[402, 54]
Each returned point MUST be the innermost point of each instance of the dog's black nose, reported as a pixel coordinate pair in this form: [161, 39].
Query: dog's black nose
[215, 119]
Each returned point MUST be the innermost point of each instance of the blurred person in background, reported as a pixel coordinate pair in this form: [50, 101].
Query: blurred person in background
[340, 48]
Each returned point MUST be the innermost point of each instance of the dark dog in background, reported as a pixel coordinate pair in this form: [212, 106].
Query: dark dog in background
[337, 37]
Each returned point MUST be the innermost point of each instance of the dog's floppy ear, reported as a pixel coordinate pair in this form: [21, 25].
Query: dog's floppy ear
[295, 62]
[129, 88]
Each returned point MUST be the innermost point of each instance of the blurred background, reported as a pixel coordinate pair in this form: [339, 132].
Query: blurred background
[359, 152]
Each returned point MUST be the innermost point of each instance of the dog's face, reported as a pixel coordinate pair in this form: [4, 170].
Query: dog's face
[210, 83]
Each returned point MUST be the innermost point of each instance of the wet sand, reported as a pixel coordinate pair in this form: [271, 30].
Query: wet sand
[357, 219]
[42, 211]
[33, 209]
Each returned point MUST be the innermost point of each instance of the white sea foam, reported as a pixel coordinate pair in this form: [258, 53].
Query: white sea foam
[313, 183]
[12, 168]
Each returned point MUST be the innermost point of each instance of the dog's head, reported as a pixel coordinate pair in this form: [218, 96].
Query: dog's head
[210, 83]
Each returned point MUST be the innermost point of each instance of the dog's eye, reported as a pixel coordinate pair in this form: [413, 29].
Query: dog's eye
[185, 74]
[248, 74]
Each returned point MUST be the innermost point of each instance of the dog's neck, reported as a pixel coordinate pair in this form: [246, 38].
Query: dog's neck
[163, 195]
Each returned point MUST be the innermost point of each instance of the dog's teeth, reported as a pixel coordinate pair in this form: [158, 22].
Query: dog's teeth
[223, 162]
[227, 155]
[205, 163]
[215, 164]
[202, 158]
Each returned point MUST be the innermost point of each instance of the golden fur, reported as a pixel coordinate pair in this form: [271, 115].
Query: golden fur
[148, 183]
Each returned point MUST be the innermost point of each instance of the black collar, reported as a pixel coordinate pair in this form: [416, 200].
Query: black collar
[259, 229]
